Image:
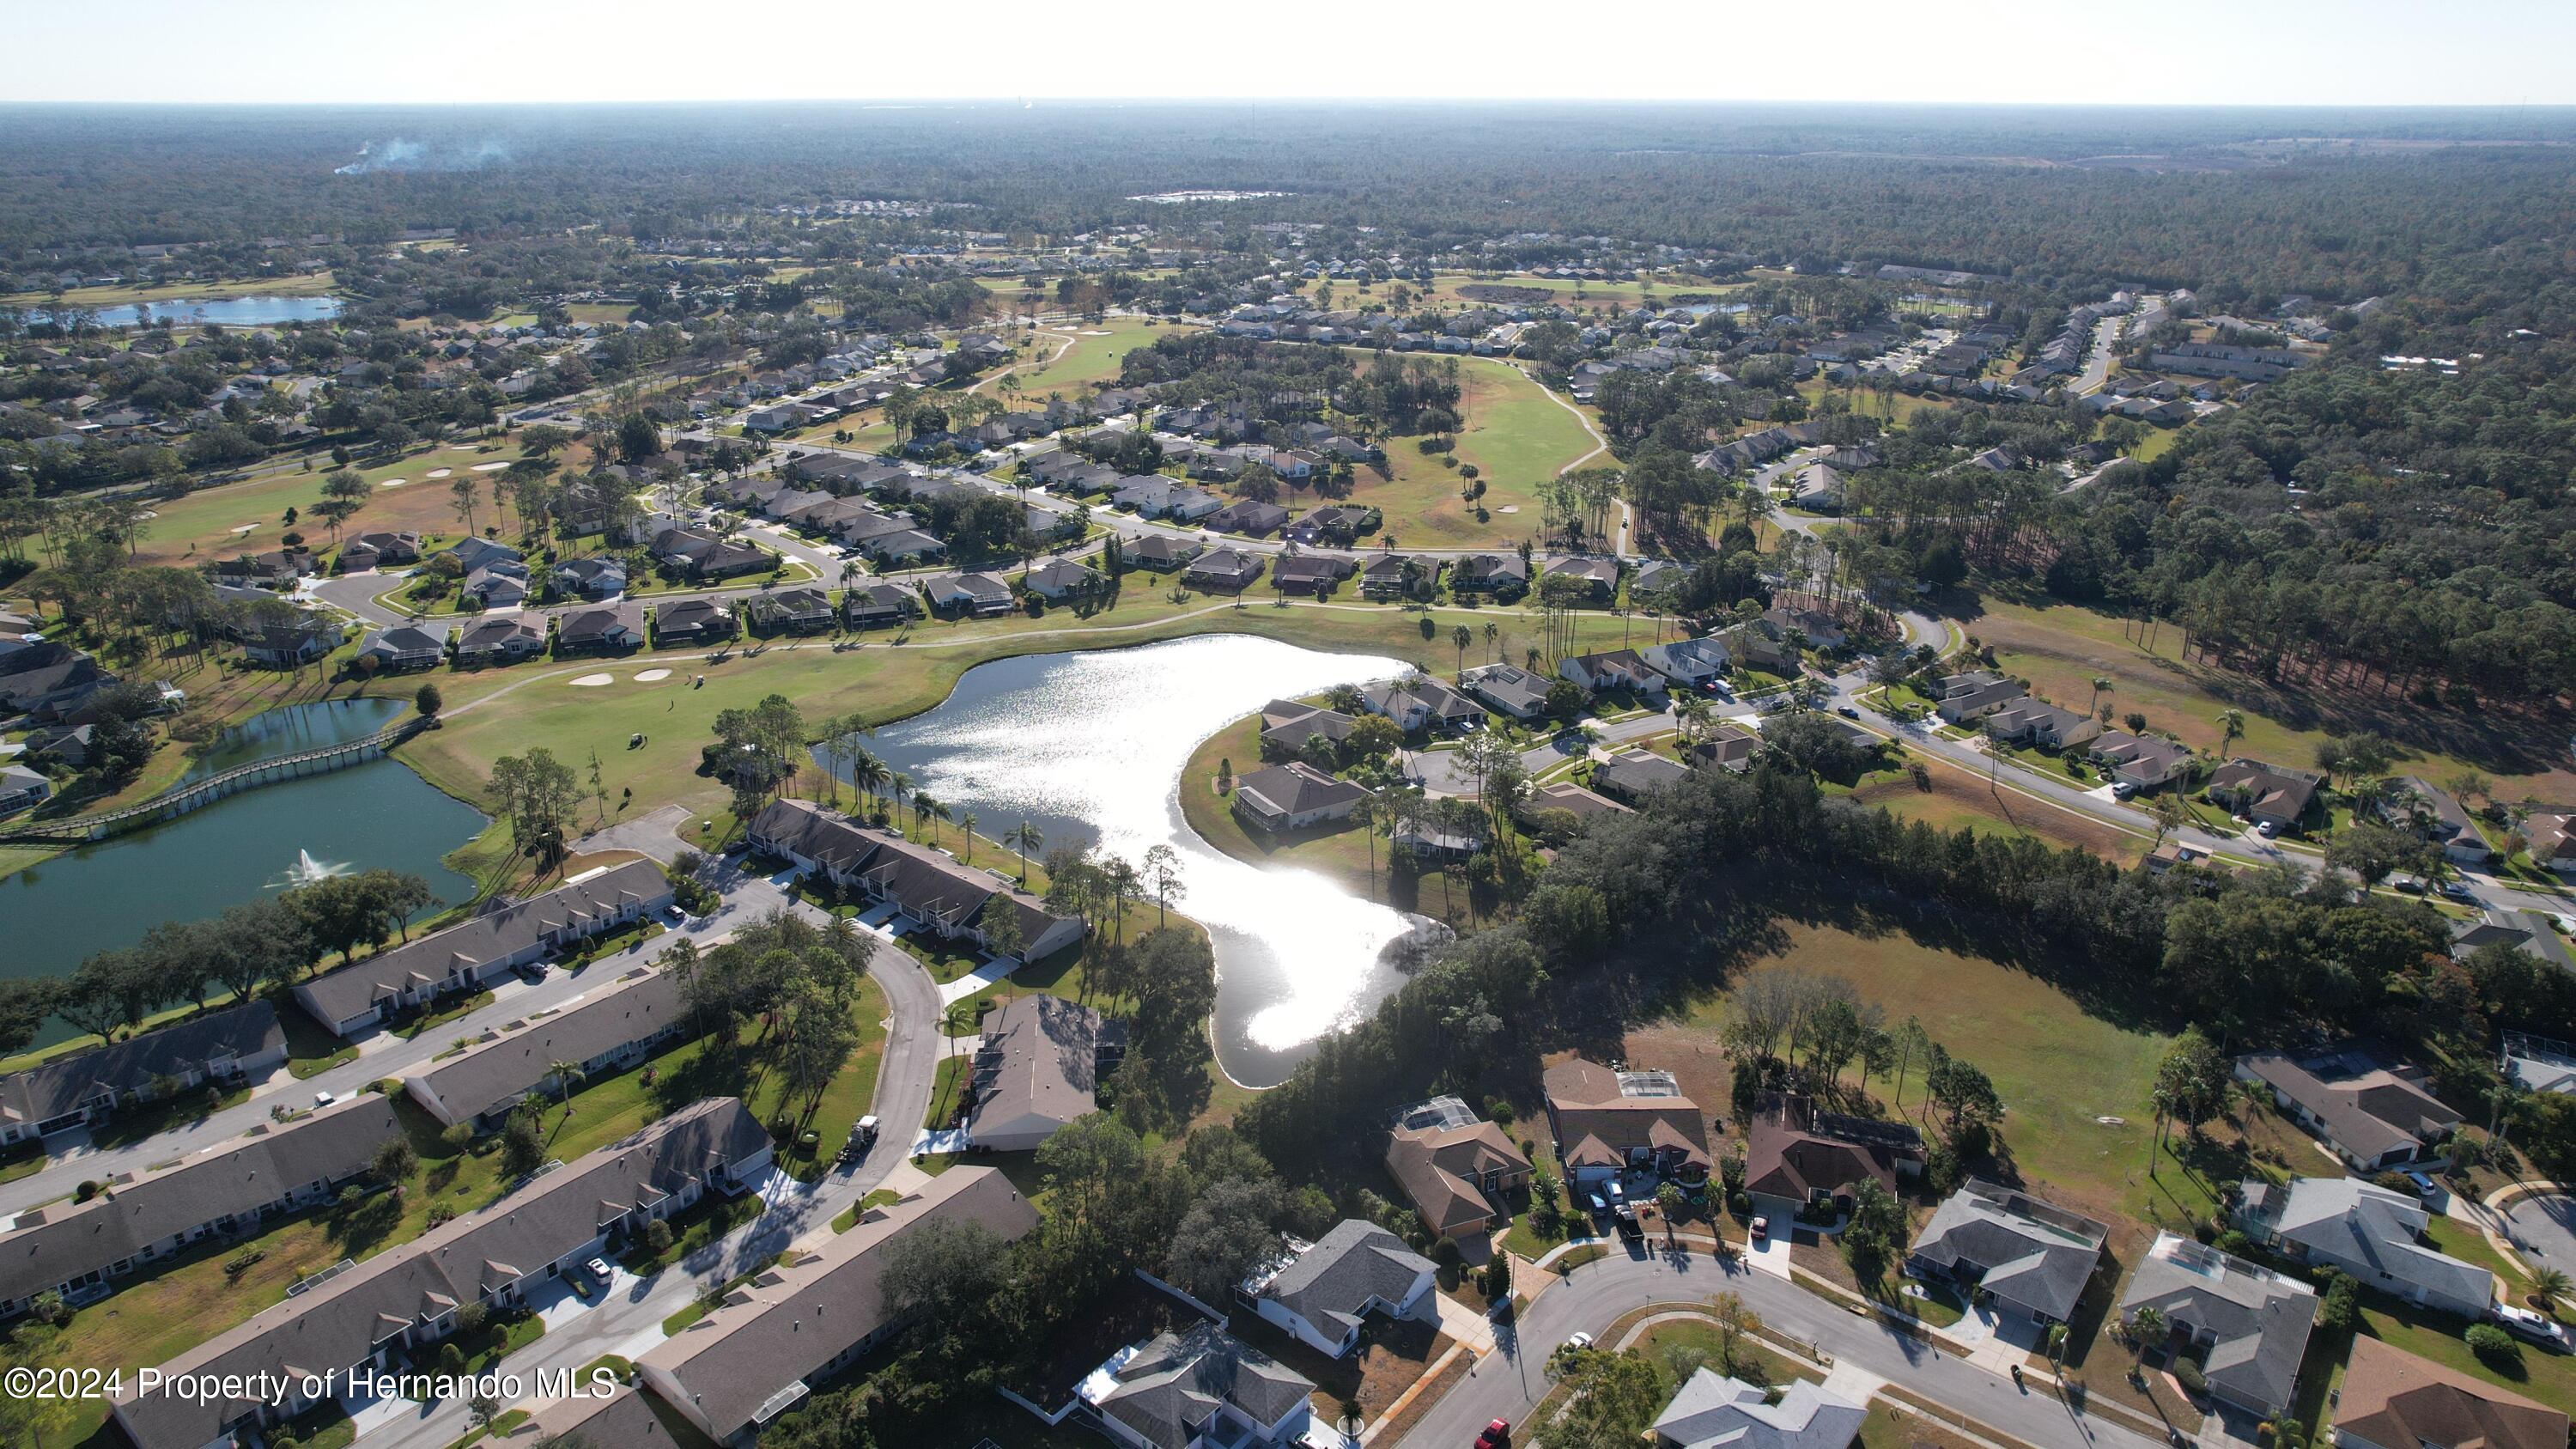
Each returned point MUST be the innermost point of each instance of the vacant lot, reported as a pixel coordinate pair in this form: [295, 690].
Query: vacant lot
[1958, 798]
[2061, 649]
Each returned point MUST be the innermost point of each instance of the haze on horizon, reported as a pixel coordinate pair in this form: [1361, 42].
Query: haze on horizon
[2269, 52]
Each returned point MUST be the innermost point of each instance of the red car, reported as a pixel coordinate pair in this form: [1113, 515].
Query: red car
[1497, 1435]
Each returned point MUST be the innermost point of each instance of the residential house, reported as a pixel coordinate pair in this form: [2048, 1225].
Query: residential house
[1310, 573]
[1230, 570]
[1160, 553]
[1063, 580]
[1754, 646]
[1689, 663]
[1819, 628]
[2434, 813]
[22, 789]
[1504, 575]
[499, 585]
[1509, 688]
[1287, 726]
[277, 570]
[2010, 1249]
[590, 578]
[758, 1355]
[1729, 747]
[400, 1303]
[603, 1033]
[789, 611]
[957, 902]
[501, 639]
[1614, 669]
[2391, 1399]
[1456, 1173]
[621, 1419]
[981, 596]
[377, 549]
[692, 621]
[1039, 1067]
[2373, 1234]
[867, 606]
[1389, 575]
[1199, 1388]
[1323, 1292]
[1336, 524]
[405, 646]
[604, 629]
[2552, 834]
[1294, 796]
[1571, 798]
[2141, 762]
[472, 552]
[703, 556]
[2265, 794]
[2373, 1114]
[1804, 1164]
[1419, 702]
[88, 1087]
[1598, 576]
[1633, 774]
[467, 956]
[1611, 1124]
[1818, 488]
[1249, 517]
[1967, 698]
[228, 1191]
[2028, 721]
[2250, 1324]
[309, 636]
[1712, 1411]
[2526, 931]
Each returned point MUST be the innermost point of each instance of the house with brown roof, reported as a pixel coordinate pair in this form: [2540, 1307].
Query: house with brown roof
[2391, 1399]
[2265, 794]
[1618, 1124]
[1805, 1164]
[735, 1371]
[1456, 1172]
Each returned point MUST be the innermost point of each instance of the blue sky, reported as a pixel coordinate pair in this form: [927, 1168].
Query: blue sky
[2289, 52]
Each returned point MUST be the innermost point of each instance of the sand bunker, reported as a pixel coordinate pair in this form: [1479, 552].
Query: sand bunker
[244, 527]
[651, 675]
[438, 472]
[390, 483]
[490, 467]
[1511, 508]
[593, 681]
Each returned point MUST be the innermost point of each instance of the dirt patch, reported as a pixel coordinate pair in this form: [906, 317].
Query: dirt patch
[1698, 1064]
[1958, 798]
[1397, 1354]
[1499, 292]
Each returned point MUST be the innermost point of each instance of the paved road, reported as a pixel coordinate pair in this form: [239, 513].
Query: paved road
[1509, 1383]
[2097, 365]
[2544, 1228]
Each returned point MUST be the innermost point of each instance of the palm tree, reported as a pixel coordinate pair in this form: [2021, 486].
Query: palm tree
[2232, 723]
[2548, 1287]
[2101, 686]
[2146, 1329]
[1494, 636]
[1462, 636]
[868, 774]
[966, 824]
[1024, 838]
[565, 1075]
[899, 785]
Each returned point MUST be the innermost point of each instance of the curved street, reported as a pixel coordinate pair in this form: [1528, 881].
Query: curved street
[1508, 1383]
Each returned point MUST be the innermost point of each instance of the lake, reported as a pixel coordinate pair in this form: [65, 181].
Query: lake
[230, 311]
[1089, 747]
[375, 815]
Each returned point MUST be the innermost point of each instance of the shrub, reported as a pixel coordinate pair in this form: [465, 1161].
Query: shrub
[2188, 1375]
[1445, 1253]
[657, 1237]
[2494, 1347]
[458, 1137]
[85, 1191]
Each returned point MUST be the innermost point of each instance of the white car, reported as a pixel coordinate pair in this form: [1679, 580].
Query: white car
[1578, 1340]
[324, 1099]
[2532, 1327]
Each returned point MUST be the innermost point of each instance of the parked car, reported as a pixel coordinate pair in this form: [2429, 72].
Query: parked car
[324, 1099]
[2406, 885]
[2424, 1186]
[2531, 1327]
[1759, 1230]
[2458, 890]
[1846, 711]
[2267, 829]
[599, 1269]
[1497, 1435]
[1578, 1340]
[2122, 790]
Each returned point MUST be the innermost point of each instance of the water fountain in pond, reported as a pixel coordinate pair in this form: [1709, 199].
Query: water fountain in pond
[307, 870]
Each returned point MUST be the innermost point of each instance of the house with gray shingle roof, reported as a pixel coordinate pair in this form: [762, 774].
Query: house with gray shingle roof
[1712, 1411]
[1322, 1292]
[1199, 1388]
[2367, 1231]
[602, 1033]
[84, 1087]
[2249, 1324]
[2024, 1254]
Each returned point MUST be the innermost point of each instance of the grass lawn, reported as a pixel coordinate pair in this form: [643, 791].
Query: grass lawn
[1092, 360]
[849, 1218]
[171, 294]
[1958, 797]
[1517, 436]
[208, 524]
[2061, 648]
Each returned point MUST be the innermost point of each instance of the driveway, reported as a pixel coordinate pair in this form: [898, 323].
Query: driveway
[2544, 1228]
